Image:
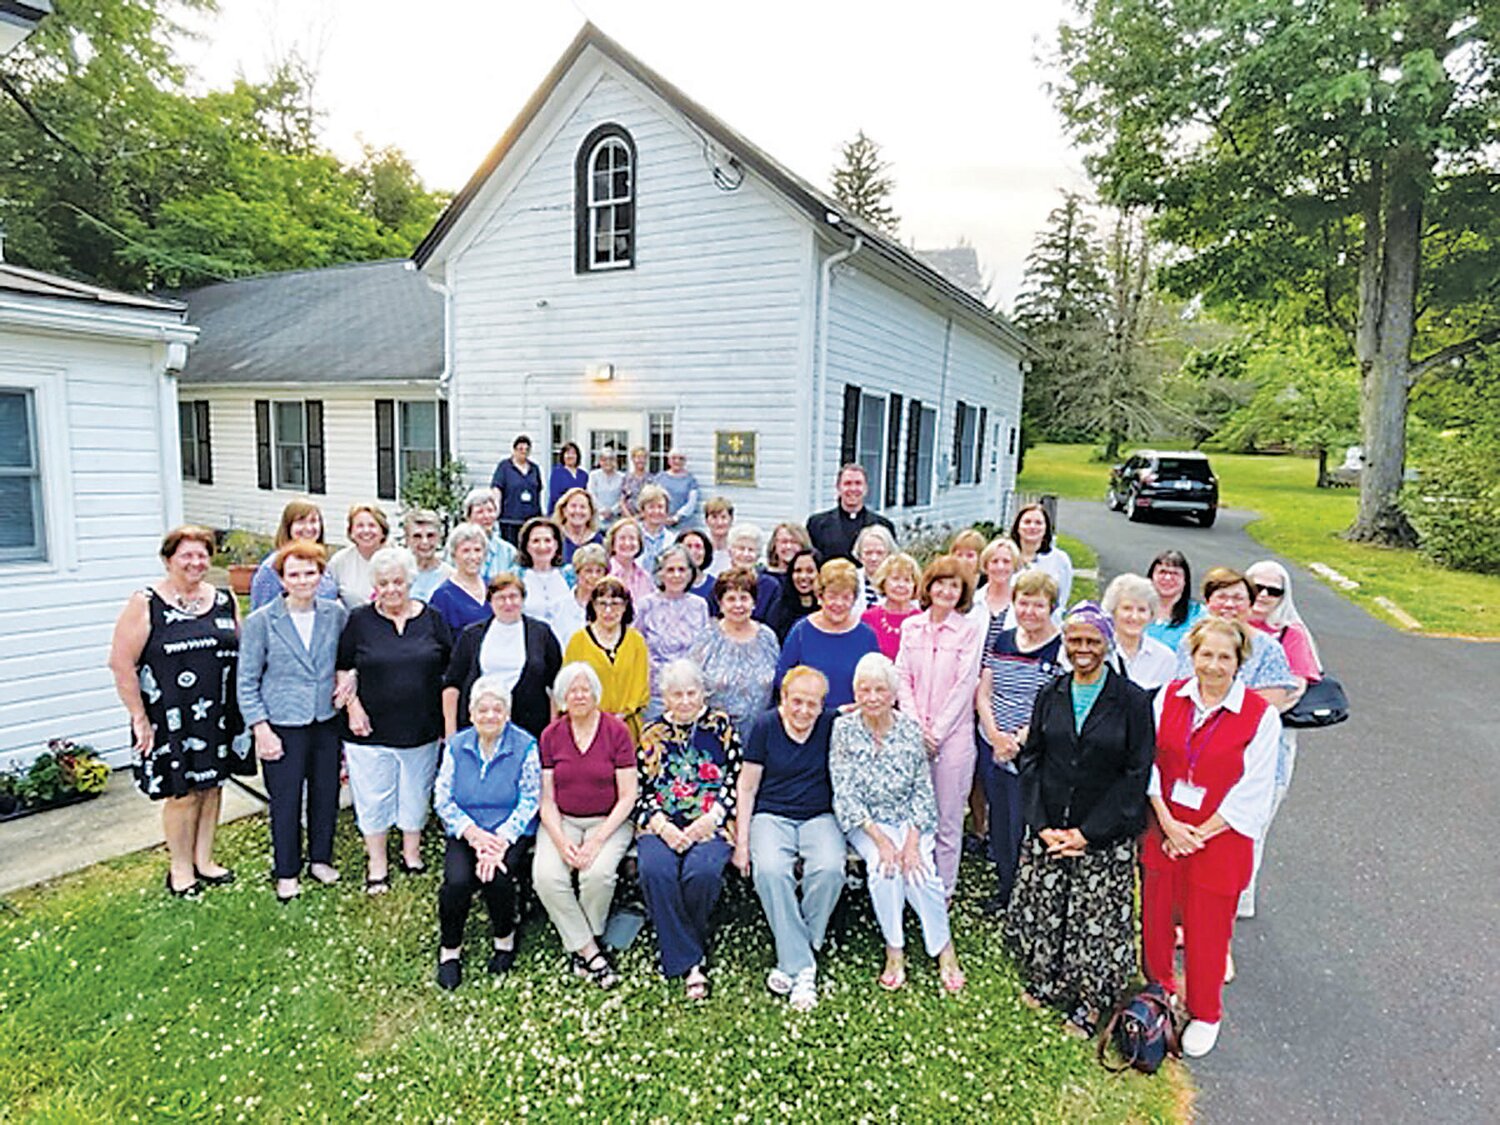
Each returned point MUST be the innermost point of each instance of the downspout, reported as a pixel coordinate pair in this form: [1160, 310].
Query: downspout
[820, 375]
[445, 376]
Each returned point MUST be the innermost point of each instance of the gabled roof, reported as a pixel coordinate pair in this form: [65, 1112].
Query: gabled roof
[824, 212]
[365, 322]
[34, 283]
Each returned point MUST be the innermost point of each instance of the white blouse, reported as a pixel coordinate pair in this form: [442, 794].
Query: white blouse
[503, 651]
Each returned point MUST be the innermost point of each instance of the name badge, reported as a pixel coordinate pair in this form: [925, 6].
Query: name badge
[1188, 796]
[526, 497]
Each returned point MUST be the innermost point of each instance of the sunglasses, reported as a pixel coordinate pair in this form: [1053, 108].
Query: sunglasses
[1272, 591]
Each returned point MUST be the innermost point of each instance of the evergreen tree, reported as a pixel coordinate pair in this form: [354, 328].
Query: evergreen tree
[862, 184]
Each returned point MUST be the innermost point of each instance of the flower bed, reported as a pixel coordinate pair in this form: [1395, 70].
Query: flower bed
[63, 774]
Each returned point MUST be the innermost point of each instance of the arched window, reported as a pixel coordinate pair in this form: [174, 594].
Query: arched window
[604, 201]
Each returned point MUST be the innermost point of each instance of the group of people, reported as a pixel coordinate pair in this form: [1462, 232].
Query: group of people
[561, 689]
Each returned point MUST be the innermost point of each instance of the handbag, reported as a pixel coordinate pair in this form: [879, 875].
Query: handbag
[1322, 705]
[1144, 1031]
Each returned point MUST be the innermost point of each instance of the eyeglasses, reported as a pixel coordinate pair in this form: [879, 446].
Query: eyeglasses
[1270, 591]
[608, 599]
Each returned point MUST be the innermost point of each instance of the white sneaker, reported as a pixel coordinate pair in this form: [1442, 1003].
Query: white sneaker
[804, 996]
[779, 983]
[1199, 1038]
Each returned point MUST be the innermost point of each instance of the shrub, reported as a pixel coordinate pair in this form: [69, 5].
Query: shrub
[442, 489]
[1455, 507]
[243, 548]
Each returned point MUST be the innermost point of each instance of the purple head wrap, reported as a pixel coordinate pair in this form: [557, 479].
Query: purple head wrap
[1090, 613]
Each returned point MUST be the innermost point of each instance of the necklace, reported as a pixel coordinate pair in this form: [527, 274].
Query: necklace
[187, 604]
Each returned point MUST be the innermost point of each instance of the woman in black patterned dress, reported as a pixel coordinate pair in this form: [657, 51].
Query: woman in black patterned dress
[174, 657]
[1084, 768]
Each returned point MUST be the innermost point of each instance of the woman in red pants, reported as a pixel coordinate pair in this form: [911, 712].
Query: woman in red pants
[1211, 791]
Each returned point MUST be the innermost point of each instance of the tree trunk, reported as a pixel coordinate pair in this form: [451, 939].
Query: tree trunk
[1383, 338]
[1322, 467]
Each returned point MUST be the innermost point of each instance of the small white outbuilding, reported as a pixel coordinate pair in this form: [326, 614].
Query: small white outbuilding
[89, 482]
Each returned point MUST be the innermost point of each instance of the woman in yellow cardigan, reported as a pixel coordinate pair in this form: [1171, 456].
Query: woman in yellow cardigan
[616, 652]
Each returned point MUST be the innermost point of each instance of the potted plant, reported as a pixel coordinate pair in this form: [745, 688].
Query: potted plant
[240, 553]
[63, 774]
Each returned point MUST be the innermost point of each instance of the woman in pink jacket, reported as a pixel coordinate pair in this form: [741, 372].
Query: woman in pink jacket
[937, 670]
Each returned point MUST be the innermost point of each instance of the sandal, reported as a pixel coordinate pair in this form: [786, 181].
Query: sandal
[804, 997]
[411, 868]
[1081, 1024]
[953, 979]
[378, 886]
[779, 983]
[313, 874]
[696, 984]
[893, 980]
[598, 969]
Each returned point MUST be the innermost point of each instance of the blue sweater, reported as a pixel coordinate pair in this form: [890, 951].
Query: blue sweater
[833, 654]
[500, 795]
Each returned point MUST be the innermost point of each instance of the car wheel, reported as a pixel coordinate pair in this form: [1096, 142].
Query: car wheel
[1135, 513]
[1111, 501]
[1208, 517]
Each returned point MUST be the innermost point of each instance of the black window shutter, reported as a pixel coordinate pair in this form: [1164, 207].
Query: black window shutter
[984, 420]
[316, 480]
[205, 443]
[913, 447]
[262, 443]
[385, 448]
[893, 452]
[849, 440]
[442, 434]
[958, 442]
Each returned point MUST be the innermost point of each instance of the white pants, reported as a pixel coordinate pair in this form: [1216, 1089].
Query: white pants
[889, 894]
[578, 915]
[391, 786]
[1286, 762]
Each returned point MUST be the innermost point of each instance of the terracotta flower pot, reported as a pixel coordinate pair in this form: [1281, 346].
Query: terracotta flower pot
[240, 577]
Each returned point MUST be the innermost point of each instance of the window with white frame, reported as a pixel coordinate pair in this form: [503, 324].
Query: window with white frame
[22, 523]
[967, 443]
[926, 435]
[660, 425]
[290, 421]
[605, 201]
[418, 446]
[560, 425]
[869, 448]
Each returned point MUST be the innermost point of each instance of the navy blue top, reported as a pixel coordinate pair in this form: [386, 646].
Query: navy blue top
[520, 493]
[457, 606]
[795, 783]
[562, 479]
[833, 654]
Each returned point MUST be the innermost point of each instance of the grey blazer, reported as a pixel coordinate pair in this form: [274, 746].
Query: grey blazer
[279, 679]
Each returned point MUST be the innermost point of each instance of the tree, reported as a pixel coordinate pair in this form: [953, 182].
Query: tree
[1061, 307]
[1332, 157]
[111, 169]
[1306, 395]
[862, 184]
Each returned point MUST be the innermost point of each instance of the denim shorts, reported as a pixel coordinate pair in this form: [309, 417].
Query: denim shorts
[391, 787]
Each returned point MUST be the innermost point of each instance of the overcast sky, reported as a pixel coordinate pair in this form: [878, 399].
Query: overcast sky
[952, 90]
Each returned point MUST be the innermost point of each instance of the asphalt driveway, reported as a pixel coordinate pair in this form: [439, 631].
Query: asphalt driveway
[1369, 984]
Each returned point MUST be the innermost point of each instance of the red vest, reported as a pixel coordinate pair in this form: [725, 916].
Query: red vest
[1217, 753]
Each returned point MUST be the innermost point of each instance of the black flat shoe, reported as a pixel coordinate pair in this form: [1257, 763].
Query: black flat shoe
[449, 974]
[501, 961]
[192, 890]
[216, 880]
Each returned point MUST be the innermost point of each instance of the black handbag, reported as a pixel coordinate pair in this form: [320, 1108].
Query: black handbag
[1322, 705]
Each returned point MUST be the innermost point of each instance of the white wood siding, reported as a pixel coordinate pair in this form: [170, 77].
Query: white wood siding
[235, 501]
[885, 340]
[714, 321]
[101, 444]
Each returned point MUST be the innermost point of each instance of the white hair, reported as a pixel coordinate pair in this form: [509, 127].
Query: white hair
[479, 495]
[1285, 612]
[568, 675]
[490, 687]
[1129, 586]
[466, 533]
[388, 560]
[874, 531]
[679, 674]
[745, 533]
[875, 666]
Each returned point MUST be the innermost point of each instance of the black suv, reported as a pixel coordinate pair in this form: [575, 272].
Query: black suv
[1152, 481]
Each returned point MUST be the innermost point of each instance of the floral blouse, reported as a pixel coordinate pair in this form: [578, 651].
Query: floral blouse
[738, 675]
[685, 768]
[671, 627]
[889, 783]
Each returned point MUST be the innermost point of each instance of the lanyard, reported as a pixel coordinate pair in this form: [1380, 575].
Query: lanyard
[1201, 737]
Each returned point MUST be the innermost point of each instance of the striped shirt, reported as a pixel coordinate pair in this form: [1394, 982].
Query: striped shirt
[1017, 677]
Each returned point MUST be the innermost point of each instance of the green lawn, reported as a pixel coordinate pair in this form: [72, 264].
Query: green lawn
[117, 1003]
[1303, 522]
